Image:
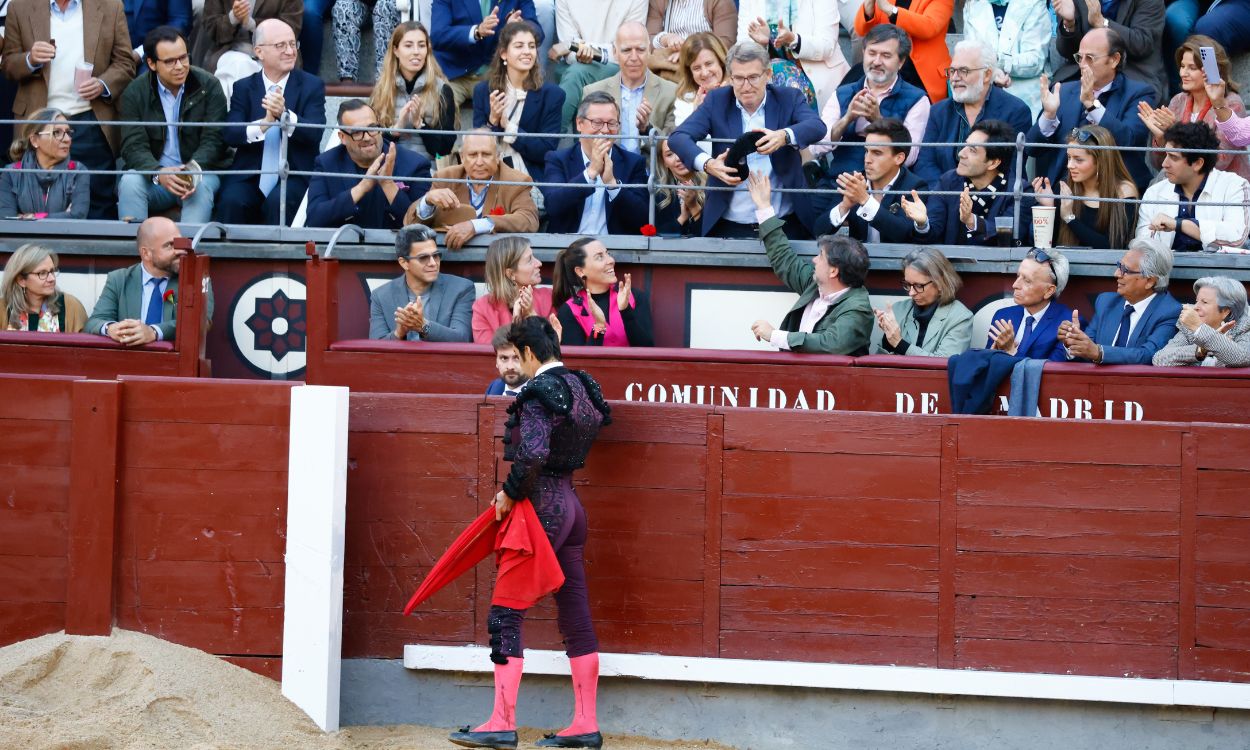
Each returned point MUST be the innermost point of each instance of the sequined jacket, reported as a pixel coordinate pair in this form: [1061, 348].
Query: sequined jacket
[551, 426]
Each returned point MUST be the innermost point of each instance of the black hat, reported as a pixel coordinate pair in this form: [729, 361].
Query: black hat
[736, 156]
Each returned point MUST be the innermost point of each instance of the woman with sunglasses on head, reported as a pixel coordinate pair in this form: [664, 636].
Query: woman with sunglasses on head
[29, 299]
[42, 182]
[593, 308]
[1092, 173]
[930, 322]
[413, 94]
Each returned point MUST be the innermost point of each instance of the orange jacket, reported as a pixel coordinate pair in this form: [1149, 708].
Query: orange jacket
[926, 23]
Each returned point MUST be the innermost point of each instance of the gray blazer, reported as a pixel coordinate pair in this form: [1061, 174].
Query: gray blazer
[1230, 350]
[122, 299]
[949, 331]
[448, 310]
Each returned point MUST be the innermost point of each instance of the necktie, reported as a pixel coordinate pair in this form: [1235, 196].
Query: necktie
[156, 304]
[270, 157]
[1121, 338]
[1028, 329]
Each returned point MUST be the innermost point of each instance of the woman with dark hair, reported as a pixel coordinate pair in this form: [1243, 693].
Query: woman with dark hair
[514, 101]
[1092, 173]
[413, 94]
[43, 182]
[592, 307]
[550, 429]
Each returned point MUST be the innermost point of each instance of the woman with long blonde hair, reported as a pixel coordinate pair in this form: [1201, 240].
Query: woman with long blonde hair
[512, 292]
[29, 299]
[412, 93]
[1092, 173]
[700, 68]
[43, 182]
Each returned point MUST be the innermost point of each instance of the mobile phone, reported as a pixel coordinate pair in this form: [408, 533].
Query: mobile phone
[1209, 65]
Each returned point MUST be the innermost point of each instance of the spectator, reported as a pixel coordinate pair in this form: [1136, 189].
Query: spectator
[171, 92]
[513, 100]
[594, 202]
[144, 15]
[1235, 130]
[139, 304]
[226, 42]
[256, 107]
[480, 206]
[464, 38]
[64, 192]
[670, 23]
[974, 98]
[46, 75]
[1228, 23]
[926, 23]
[871, 200]
[1175, 210]
[1092, 174]
[422, 304]
[589, 27]
[592, 306]
[967, 219]
[30, 299]
[413, 94]
[1194, 105]
[1030, 327]
[751, 104]
[1102, 97]
[369, 203]
[833, 314]
[350, 17]
[312, 34]
[677, 209]
[512, 292]
[702, 69]
[934, 323]
[1212, 332]
[801, 37]
[1138, 23]
[1133, 322]
[508, 362]
[1020, 32]
[646, 101]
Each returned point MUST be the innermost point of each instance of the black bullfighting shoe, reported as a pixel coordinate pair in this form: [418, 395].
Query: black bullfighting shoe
[497, 740]
[591, 739]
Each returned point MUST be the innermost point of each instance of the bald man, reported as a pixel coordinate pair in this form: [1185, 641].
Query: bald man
[646, 99]
[257, 107]
[136, 306]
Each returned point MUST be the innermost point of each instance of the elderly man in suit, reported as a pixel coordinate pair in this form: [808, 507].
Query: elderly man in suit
[44, 43]
[1133, 322]
[463, 38]
[870, 203]
[136, 307]
[788, 125]
[366, 202]
[1029, 327]
[422, 304]
[1139, 22]
[646, 100]
[479, 206]
[257, 107]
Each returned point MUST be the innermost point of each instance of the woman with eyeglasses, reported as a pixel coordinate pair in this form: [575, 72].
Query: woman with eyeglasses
[1092, 173]
[594, 307]
[29, 300]
[1212, 332]
[413, 94]
[42, 182]
[349, 21]
[930, 322]
[512, 292]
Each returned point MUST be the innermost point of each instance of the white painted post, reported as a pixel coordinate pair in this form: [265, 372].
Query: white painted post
[312, 629]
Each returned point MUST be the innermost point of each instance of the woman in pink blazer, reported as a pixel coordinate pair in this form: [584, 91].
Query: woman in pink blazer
[512, 278]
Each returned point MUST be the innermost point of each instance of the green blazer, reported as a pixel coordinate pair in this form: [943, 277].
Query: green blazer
[123, 296]
[949, 331]
[846, 326]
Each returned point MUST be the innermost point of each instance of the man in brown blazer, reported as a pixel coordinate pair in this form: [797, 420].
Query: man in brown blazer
[44, 45]
[480, 206]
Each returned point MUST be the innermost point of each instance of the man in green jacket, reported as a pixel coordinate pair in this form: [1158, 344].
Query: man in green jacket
[172, 92]
[833, 314]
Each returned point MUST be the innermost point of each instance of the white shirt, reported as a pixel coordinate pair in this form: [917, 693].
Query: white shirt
[549, 366]
[67, 28]
[595, 207]
[1139, 309]
[812, 314]
[256, 131]
[741, 208]
[1224, 229]
[596, 22]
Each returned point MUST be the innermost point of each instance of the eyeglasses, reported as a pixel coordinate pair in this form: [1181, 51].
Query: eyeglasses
[282, 46]
[602, 124]
[176, 62]
[59, 134]
[1080, 135]
[360, 135]
[747, 80]
[960, 72]
[917, 288]
[424, 259]
[42, 275]
[1125, 270]
[1085, 57]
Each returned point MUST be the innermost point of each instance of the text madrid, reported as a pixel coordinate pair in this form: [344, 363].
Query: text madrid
[755, 397]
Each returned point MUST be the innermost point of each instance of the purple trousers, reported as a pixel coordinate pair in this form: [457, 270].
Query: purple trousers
[564, 520]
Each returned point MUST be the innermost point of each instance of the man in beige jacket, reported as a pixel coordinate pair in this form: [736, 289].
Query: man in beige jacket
[645, 99]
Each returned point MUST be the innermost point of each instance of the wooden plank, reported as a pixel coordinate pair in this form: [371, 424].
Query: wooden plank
[204, 536]
[1076, 486]
[669, 466]
[404, 413]
[383, 635]
[1223, 584]
[676, 557]
[398, 542]
[873, 522]
[414, 456]
[172, 445]
[642, 423]
[820, 611]
[837, 648]
[374, 494]
[831, 565]
[1069, 530]
[223, 492]
[637, 600]
[1067, 576]
[1223, 628]
[832, 432]
[34, 489]
[33, 579]
[631, 510]
[1225, 665]
[487, 465]
[948, 525]
[1221, 539]
[41, 397]
[265, 666]
[819, 475]
[93, 507]
[1044, 657]
[1186, 639]
[1222, 492]
[42, 534]
[1066, 620]
[202, 401]
[35, 442]
[243, 631]
[712, 539]
[199, 584]
[1222, 446]
[1055, 441]
[387, 588]
[22, 620]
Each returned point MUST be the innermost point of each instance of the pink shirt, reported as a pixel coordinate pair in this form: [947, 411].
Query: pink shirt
[1235, 130]
[489, 314]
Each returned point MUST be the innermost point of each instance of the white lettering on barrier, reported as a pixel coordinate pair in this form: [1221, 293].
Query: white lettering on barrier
[905, 403]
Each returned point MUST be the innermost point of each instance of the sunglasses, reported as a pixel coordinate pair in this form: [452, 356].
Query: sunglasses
[1080, 135]
[1041, 256]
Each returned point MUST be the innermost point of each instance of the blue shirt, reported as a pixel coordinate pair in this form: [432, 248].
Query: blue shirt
[172, 104]
[1185, 208]
[631, 100]
[595, 208]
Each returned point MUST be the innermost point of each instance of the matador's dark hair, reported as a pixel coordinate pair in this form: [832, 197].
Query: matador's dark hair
[536, 334]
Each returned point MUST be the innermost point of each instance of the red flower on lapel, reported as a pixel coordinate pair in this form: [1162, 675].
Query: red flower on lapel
[170, 297]
[497, 211]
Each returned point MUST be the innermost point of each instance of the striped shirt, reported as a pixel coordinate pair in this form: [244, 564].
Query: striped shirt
[683, 18]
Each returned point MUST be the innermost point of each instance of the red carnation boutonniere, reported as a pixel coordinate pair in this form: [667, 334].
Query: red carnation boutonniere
[497, 211]
[170, 297]
[647, 230]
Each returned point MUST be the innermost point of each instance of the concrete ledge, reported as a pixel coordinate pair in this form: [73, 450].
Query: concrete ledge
[854, 677]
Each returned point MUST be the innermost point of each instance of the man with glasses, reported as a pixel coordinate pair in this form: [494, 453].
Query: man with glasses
[787, 124]
[170, 93]
[594, 203]
[367, 202]
[974, 98]
[227, 30]
[1139, 22]
[259, 107]
[422, 304]
[646, 100]
[584, 52]
[1103, 96]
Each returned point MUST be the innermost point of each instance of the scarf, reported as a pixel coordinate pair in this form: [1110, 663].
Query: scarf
[44, 192]
[47, 322]
[615, 335]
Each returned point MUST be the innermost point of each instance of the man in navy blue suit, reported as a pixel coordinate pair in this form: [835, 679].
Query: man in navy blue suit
[870, 203]
[369, 203]
[1133, 322]
[144, 15]
[1103, 96]
[596, 204]
[508, 362]
[462, 34]
[1030, 327]
[256, 107]
[789, 125]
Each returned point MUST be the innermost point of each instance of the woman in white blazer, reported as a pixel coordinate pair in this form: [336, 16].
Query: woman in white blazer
[1023, 44]
[816, 22]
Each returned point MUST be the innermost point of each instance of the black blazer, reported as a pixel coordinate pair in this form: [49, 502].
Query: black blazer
[626, 214]
[890, 220]
[945, 228]
[305, 95]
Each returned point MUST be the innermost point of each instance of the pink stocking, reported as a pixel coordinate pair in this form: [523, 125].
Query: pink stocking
[507, 684]
[585, 671]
